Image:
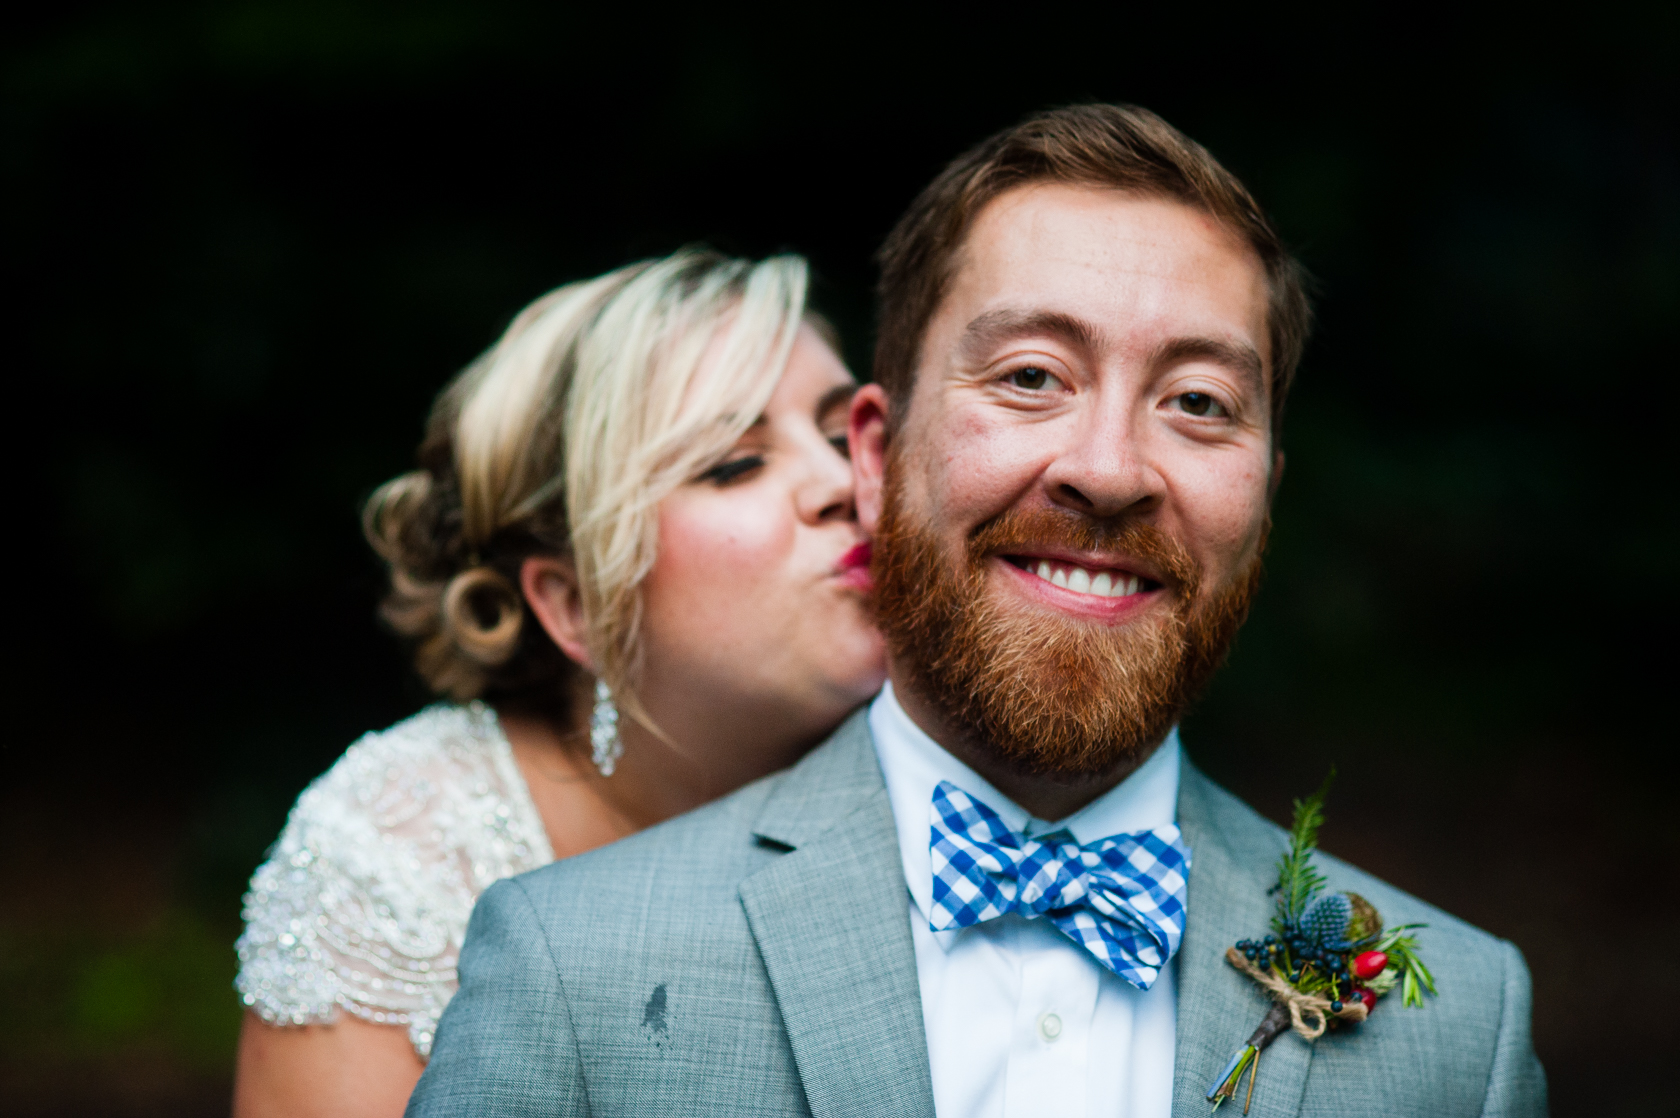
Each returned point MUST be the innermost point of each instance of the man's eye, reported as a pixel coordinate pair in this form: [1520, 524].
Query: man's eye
[1200, 403]
[725, 472]
[841, 446]
[1031, 377]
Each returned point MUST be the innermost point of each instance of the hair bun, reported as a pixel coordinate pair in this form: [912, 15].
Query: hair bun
[482, 613]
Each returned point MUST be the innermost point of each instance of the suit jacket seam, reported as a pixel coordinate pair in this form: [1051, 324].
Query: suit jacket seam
[1505, 950]
[565, 997]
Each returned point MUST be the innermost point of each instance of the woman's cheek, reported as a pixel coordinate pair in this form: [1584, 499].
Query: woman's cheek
[691, 556]
[714, 559]
[734, 532]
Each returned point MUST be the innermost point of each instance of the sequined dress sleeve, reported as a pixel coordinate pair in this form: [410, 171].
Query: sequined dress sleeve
[363, 901]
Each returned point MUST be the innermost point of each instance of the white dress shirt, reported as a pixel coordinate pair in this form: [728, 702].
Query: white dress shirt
[1020, 1019]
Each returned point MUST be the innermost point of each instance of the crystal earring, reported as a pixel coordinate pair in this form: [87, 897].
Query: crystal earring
[603, 730]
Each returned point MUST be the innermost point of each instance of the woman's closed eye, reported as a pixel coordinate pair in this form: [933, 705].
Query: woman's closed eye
[733, 470]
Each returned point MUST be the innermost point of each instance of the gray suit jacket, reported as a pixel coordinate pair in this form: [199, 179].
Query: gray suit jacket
[754, 957]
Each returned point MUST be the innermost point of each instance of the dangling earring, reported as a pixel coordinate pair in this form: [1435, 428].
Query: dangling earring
[603, 730]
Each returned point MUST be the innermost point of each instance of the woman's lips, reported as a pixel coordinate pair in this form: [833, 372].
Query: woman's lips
[852, 568]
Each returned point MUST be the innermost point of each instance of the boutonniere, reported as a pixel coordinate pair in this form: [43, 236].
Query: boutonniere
[1327, 961]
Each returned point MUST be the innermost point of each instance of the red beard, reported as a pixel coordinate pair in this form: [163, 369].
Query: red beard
[1045, 694]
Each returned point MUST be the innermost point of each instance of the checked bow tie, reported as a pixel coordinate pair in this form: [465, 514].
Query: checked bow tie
[1120, 897]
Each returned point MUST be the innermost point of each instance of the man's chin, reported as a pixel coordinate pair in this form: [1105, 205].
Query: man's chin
[1090, 767]
[1055, 693]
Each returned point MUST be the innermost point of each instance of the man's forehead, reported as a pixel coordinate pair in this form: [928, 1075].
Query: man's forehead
[1111, 259]
[1086, 226]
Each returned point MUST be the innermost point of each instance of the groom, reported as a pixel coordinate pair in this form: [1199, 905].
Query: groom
[1067, 461]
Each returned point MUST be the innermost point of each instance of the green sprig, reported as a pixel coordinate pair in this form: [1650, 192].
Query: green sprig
[1298, 880]
[1414, 977]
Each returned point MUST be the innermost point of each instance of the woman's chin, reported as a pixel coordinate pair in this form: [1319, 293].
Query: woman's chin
[869, 672]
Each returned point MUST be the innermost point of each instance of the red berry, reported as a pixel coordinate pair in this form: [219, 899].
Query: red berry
[1370, 964]
[1366, 996]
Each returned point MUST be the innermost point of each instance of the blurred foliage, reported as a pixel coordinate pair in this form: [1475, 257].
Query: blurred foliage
[247, 242]
[83, 992]
[117, 1019]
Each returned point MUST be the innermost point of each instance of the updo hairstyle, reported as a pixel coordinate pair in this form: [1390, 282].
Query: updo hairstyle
[562, 440]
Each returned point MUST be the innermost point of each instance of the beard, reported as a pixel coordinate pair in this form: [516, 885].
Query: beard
[1045, 694]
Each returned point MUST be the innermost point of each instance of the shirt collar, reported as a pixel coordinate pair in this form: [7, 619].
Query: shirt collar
[913, 764]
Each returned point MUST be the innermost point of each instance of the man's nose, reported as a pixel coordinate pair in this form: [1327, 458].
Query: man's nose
[1104, 471]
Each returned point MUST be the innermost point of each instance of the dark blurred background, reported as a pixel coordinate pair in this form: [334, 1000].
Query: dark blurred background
[246, 243]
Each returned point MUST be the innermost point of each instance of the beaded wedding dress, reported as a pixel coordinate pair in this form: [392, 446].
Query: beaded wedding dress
[363, 902]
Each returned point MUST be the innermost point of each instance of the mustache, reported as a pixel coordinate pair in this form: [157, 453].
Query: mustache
[1016, 529]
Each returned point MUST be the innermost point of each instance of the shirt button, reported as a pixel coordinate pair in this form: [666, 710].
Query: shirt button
[1050, 1027]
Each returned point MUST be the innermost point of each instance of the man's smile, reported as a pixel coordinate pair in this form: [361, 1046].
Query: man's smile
[1101, 582]
[1093, 586]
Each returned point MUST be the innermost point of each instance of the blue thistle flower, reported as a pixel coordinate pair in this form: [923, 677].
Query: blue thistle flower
[1326, 922]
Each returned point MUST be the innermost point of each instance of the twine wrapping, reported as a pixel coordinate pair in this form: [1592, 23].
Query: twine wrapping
[1309, 1013]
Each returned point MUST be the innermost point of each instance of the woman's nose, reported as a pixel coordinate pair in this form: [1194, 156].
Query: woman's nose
[826, 492]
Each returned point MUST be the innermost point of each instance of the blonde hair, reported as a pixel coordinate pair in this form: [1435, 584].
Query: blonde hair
[600, 399]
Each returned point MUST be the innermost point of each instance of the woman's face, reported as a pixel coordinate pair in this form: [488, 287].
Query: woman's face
[755, 622]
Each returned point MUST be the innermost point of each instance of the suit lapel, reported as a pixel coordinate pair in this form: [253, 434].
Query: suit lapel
[1217, 1006]
[832, 924]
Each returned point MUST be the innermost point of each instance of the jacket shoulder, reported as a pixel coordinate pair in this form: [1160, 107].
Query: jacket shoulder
[708, 850]
[1473, 1036]
[700, 858]
[1257, 841]
[653, 965]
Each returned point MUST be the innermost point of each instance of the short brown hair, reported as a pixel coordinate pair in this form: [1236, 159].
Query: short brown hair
[1107, 146]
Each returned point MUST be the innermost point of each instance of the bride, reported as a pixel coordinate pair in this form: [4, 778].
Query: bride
[630, 564]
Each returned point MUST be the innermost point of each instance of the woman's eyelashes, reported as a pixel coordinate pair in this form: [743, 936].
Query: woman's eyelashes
[739, 467]
[733, 470]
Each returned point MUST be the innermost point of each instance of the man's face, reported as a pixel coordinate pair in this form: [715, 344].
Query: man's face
[1081, 481]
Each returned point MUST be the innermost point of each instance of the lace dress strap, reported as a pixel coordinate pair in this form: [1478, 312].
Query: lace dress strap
[363, 902]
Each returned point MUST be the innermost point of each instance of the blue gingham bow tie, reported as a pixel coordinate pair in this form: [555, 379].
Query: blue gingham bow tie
[1121, 897]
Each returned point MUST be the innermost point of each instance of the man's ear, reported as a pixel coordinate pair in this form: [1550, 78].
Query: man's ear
[866, 435]
[1277, 476]
[550, 586]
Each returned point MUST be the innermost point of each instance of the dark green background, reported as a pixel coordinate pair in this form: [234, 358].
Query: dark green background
[246, 243]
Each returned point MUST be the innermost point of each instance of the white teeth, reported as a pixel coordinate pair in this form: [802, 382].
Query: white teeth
[1081, 581]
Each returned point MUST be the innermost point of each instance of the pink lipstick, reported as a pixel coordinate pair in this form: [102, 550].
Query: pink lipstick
[852, 568]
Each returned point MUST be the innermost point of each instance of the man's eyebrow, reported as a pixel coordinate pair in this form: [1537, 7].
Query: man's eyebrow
[838, 396]
[1240, 357]
[995, 327]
